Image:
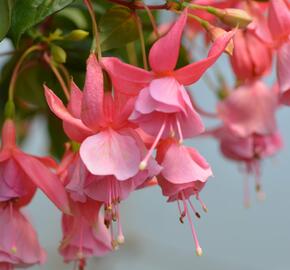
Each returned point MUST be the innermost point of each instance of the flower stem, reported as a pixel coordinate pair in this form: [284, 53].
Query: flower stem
[136, 5]
[57, 75]
[96, 46]
[17, 68]
[142, 41]
[152, 20]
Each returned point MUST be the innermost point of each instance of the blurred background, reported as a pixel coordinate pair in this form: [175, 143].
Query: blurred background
[232, 237]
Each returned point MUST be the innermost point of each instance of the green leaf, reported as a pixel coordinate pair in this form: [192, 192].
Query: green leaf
[5, 15]
[28, 13]
[117, 28]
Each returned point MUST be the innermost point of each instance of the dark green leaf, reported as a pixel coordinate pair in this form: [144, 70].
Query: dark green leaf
[117, 27]
[31, 12]
[5, 15]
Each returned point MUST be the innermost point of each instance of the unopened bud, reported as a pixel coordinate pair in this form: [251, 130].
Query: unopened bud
[216, 32]
[234, 17]
[58, 54]
[76, 35]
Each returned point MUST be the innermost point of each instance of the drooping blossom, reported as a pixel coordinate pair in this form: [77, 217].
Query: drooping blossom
[19, 246]
[106, 169]
[162, 104]
[21, 173]
[249, 133]
[250, 109]
[184, 174]
[84, 233]
[83, 187]
[275, 31]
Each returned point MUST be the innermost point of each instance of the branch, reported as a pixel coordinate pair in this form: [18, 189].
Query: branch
[133, 5]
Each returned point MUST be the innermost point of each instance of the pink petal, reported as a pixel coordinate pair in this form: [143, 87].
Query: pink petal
[279, 19]
[44, 179]
[164, 53]
[110, 153]
[75, 101]
[192, 72]
[167, 91]
[16, 231]
[92, 103]
[126, 78]
[182, 166]
[57, 107]
[250, 109]
[283, 70]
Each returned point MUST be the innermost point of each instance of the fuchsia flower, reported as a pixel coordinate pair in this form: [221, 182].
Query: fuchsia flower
[162, 104]
[276, 32]
[84, 233]
[107, 166]
[19, 245]
[249, 132]
[184, 173]
[21, 174]
[251, 57]
[250, 109]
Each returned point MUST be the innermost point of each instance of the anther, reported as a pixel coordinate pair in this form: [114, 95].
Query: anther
[142, 165]
[14, 250]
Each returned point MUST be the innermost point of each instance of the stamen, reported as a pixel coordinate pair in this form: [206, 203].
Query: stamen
[80, 254]
[120, 237]
[13, 247]
[198, 248]
[204, 208]
[181, 213]
[247, 200]
[179, 131]
[193, 209]
[143, 163]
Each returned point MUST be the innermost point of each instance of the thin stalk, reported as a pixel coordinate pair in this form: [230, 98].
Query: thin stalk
[152, 20]
[133, 5]
[142, 41]
[17, 68]
[96, 46]
[57, 75]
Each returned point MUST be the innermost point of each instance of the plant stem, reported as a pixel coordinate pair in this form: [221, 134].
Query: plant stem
[96, 46]
[17, 68]
[57, 75]
[152, 20]
[142, 41]
[133, 5]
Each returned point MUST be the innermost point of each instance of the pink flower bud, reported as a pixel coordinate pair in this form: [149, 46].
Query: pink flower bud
[234, 17]
[251, 57]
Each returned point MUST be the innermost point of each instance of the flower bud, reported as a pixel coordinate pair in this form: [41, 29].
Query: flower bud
[234, 17]
[58, 54]
[251, 58]
[216, 32]
[76, 35]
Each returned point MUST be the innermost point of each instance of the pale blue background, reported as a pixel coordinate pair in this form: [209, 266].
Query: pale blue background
[233, 238]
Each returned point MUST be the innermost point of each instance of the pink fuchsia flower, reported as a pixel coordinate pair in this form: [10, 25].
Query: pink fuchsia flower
[84, 233]
[251, 57]
[83, 187]
[276, 32]
[184, 174]
[250, 109]
[162, 103]
[21, 174]
[19, 246]
[249, 151]
[109, 143]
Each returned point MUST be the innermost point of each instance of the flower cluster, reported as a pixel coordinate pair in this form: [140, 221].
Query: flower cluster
[127, 127]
